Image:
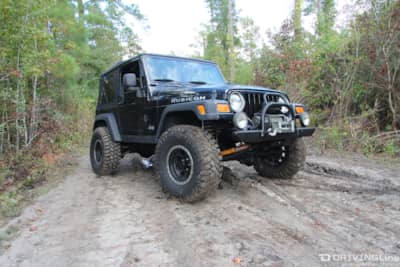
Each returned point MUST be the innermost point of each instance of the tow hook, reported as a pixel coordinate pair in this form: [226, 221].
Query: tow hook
[272, 132]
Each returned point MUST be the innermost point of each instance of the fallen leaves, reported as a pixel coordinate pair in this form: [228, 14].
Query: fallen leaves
[39, 210]
[237, 260]
[358, 211]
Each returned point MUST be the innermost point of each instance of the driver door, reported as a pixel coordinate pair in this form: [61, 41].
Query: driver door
[132, 117]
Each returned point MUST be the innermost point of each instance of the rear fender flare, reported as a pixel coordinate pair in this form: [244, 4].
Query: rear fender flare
[109, 120]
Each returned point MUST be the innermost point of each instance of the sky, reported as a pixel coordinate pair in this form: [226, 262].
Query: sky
[173, 25]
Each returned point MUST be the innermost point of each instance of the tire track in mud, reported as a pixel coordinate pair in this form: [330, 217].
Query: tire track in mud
[355, 221]
[350, 211]
[368, 183]
[322, 221]
[210, 230]
[295, 224]
[126, 220]
[202, 234]
[312, 220]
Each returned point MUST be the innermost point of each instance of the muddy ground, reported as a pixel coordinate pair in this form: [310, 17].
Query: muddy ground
[335, 206]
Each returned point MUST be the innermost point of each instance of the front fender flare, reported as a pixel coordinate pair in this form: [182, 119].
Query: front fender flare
[210, 106]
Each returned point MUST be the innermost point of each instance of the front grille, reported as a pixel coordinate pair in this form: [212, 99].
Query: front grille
[255, 100]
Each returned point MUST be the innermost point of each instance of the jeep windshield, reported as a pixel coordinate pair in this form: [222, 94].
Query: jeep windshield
[180, 70]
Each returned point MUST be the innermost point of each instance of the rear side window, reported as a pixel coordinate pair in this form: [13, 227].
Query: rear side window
[110, 87]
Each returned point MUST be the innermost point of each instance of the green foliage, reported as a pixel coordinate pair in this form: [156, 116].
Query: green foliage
[392, 148]
[219, 38]
[333, 137]
[9, 202]
[348, 77]
[7, 235]
[51, 55]
[63, 63]
[54, 51]
[244, 73]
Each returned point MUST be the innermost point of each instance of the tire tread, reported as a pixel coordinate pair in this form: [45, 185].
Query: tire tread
[210, 170]
[295, 163]
[111, 153]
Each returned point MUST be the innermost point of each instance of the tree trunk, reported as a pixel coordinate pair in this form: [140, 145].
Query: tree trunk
[33, 123]
[17, 108]
[2, 131]
[393, 110]
[81, 10]
[298, 30]
[230, 50]
[390, 86]
[24, 124]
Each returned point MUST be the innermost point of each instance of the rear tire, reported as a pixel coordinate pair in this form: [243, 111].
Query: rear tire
[187, 161]
[105, 154]
[285, 163]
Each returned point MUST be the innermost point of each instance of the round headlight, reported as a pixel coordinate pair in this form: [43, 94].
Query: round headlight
[240, 120]
[305, 119]
[236, 101]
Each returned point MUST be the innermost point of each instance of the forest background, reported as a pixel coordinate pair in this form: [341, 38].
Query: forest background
[52, 52]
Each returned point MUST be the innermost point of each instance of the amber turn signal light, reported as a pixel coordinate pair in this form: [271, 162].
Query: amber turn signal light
[299, 109]
[223, 108]
[201, 109]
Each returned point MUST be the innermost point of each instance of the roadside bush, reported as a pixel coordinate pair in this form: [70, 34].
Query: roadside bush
[346, 136]
[58, 135]
[9, 203]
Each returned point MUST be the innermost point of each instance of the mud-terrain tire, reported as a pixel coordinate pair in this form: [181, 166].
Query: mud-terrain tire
[105, 154]
[291, 163]
[187, 161]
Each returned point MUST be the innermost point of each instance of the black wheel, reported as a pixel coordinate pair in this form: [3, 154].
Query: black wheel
[283, 161]
[188, 163]
[105, 154]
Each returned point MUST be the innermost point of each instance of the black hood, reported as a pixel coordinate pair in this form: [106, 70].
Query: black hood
[210, 91]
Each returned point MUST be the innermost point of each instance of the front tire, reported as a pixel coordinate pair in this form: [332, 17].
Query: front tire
[187, 161]
[284, 162]
[105, 154]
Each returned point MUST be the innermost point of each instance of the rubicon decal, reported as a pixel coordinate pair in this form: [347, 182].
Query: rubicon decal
[187, 99]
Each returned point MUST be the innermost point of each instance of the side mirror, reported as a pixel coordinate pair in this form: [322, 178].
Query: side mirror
[129, 81]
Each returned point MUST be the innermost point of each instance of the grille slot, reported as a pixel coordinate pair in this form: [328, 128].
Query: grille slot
[254, 102]
[272, 97]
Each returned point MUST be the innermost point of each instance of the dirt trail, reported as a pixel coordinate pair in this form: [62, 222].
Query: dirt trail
[335, 206]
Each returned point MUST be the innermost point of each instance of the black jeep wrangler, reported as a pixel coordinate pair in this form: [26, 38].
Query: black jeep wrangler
[181, 115]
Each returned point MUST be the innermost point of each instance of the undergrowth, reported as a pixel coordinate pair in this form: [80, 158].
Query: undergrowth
[31, 167]
[344, 137]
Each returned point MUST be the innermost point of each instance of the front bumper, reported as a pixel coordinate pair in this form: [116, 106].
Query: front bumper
[257, 136]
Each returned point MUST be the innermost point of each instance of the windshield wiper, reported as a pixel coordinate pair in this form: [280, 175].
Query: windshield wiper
[164, 80]
[197, 82]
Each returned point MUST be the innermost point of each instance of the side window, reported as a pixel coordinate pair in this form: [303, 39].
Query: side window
[110, 83]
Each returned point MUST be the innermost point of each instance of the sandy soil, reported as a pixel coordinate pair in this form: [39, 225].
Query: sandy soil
[335, 206]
